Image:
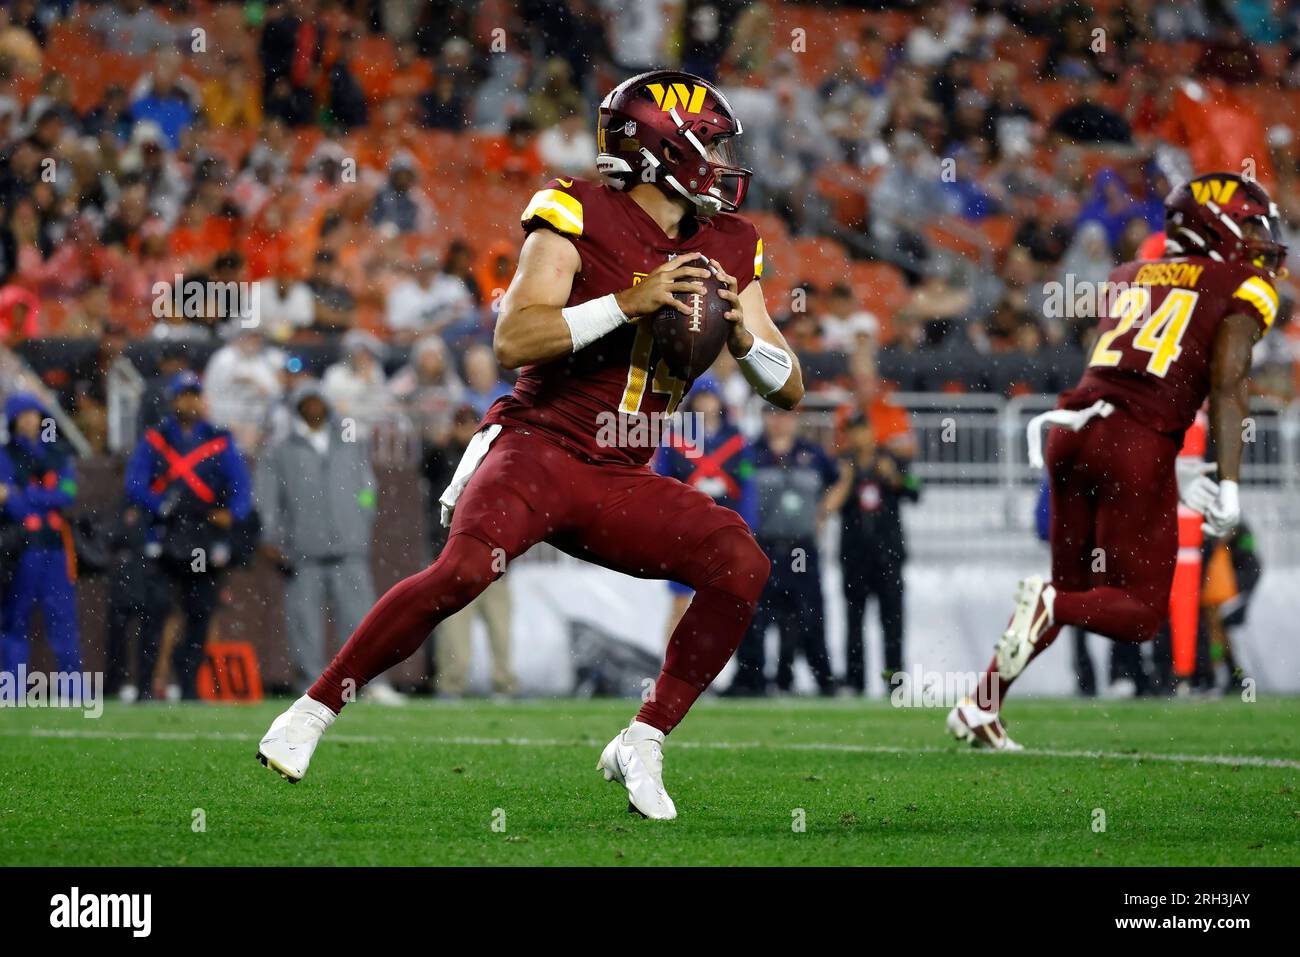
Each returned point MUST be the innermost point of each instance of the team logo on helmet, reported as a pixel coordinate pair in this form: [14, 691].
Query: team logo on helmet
[1212, 190]
[690, 99]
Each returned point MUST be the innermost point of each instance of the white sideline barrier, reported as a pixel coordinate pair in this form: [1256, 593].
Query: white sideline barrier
[954, 615]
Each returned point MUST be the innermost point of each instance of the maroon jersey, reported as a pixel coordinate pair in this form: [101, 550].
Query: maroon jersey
[1152, 356]
[579, 399]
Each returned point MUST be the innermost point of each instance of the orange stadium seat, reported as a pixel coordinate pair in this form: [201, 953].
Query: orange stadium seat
[880, 287]
[819, 260]
[845, 187]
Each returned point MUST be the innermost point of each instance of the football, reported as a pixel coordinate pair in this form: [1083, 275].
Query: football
[690, 344]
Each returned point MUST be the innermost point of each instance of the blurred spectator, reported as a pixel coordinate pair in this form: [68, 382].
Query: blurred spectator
[26, 14]
[20, 314]
[316, 496]
[347, 101]
[333, 306]
[640, 32]
[166, 99]
[262, 176]
[18, 46]
[452, 639]
[483, 382]
[1087, 118]
[495, 270]
[134, 27]
[555, 97]
[444, 104]
[355, 386]
[502, 97]
[1229, 56]
[907, 197]
[707, 30]
[427, 301]
[943, 30]
[241, 382]
[845, 327]
[891, 426]
[967, 197]
[1112, 205]
[792, 476]
[190, 481]
[286, 306]
[459, 262]
[514, 155]
[163, 179]
[872, 485]
[429, 389]
[398, 203]
[1088, 259]
[37, 486]
[290, 53]
[229, 99]
[568, 147]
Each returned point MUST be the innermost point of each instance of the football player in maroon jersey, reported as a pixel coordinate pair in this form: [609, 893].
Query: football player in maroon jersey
[550, 462]
[1174, 331]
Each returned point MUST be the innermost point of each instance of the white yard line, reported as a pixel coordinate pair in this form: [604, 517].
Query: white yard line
[1221, 760]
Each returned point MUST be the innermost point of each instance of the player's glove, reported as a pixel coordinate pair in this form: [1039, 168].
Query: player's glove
[1196, 489]
[1224, 513]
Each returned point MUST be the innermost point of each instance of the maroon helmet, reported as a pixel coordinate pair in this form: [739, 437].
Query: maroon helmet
[1227, 218]
[677, 131]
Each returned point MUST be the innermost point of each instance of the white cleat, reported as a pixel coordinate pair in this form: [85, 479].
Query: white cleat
[970, 723]
[1034, 601]
[287, 746]
[635, 758]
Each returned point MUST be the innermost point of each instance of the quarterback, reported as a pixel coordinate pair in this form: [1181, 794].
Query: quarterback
[597, 258]
[1176, 331]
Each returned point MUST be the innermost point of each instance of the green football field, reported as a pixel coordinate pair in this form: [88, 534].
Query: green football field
[756, 783]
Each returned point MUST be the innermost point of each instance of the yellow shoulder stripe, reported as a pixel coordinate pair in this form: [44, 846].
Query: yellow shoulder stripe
[559, 209]
[758, 259]
[1261, 295]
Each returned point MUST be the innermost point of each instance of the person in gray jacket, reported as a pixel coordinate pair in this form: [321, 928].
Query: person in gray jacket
[316, 497]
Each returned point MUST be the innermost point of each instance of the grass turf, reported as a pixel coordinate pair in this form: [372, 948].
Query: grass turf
[513, 783]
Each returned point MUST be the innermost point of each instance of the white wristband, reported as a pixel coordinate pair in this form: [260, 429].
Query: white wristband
[765, 367]
[1228, 497]
[590, 320]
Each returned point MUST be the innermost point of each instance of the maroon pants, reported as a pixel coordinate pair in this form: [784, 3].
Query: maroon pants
[527, 490]
[1114, 528]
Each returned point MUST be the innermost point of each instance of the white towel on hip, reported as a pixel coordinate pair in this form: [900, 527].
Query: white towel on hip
[469, 462]
[1072, 419]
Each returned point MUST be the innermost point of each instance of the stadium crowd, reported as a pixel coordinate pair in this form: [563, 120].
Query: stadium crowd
[924, 172]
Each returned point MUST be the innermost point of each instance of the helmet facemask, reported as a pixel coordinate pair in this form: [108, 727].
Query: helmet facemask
[709, 176]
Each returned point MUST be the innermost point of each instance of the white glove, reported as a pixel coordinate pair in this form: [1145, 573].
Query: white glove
[1224, 513]
[1196, 489]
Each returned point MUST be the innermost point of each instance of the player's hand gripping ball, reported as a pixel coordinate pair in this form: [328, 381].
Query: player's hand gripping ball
[691, 332]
